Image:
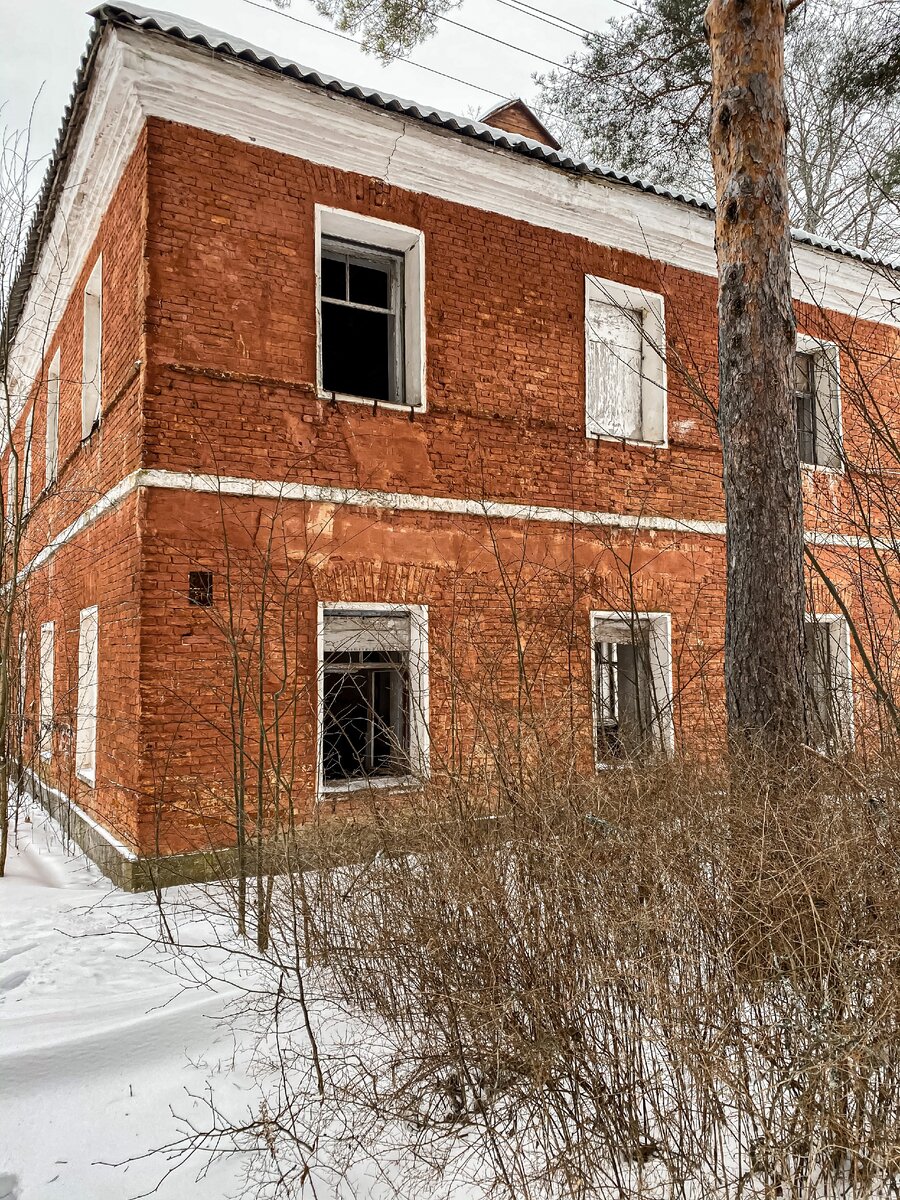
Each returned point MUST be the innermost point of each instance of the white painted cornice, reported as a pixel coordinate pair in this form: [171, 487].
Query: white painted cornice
[243, 101]
[139, 74]
[113, 120]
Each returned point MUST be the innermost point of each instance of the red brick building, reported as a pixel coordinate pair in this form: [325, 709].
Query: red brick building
[358, 437]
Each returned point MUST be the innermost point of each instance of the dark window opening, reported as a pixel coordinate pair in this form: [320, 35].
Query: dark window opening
[624, 699]
[200, 588]
[805, 396]
[362, 322]
[822, 691]
[365, 714]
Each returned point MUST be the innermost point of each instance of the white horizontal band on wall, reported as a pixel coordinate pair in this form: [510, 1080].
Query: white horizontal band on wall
[316, 493]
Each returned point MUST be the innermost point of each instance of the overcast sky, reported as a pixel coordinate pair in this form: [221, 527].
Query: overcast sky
[42, 42]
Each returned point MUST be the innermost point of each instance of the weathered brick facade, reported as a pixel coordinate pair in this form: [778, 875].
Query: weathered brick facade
[209, 369]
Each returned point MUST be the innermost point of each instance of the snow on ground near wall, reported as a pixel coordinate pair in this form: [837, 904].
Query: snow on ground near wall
[104, 1036]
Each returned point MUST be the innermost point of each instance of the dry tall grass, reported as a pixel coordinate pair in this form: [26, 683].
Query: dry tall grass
[671, 981]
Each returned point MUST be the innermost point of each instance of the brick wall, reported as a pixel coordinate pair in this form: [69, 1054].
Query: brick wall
[102, 564]
[209, 280]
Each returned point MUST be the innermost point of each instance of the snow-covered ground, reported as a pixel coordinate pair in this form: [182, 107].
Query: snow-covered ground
[107, 1039]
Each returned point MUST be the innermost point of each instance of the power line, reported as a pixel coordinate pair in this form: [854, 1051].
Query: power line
[433, 70]
[356, 42]
[540, 14]
[509, 45]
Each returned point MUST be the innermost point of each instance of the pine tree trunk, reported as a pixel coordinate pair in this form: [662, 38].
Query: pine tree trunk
[764, 668]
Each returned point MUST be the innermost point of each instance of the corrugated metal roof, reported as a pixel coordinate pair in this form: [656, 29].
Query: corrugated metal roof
[54, 179]
[213, 39]
[185, 30]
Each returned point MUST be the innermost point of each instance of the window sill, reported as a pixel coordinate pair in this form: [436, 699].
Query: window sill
[597, 436]
[815, 469]
[620, 765]
[658, 754]
[343, 397]
[399, 783]
[88, 777]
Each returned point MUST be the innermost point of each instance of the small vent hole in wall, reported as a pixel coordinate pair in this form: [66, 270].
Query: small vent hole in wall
[200, 588]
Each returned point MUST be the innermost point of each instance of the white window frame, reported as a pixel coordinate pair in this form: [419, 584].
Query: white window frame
[51, 459]
[660, 648]
[827, 381]
[841, 643]
[377, 234]
[12, 489]
[88, 690]
[92, 352]
[654, 397]
[419, 710]
[46, 690]
[26, 450]
[23, 684]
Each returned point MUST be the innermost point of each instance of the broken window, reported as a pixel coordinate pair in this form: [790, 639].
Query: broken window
[829, 703]
[362, 321]
[630, 677]
[624, 367]
[366, 687]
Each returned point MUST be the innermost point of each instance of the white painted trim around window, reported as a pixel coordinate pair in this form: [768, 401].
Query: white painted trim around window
[660, 668]
[28, 451]
[419, 720]
[51, 432]
[381, 235]
[92, 351]
[46, 690]
[88, 695]
[828, 392]
[845, 682]
[654, 400]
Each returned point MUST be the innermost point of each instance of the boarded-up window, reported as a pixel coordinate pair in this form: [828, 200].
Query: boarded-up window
[86, 717]
[615, 369]
[51, 461]
[27, 450]
[12, 487]
[625, 374]
[91, 386]
[46, 695]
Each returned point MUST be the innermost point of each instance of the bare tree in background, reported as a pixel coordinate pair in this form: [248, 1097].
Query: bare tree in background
[639, 96]
[15, 210]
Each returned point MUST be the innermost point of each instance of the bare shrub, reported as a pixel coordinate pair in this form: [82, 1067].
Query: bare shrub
[672, 980]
